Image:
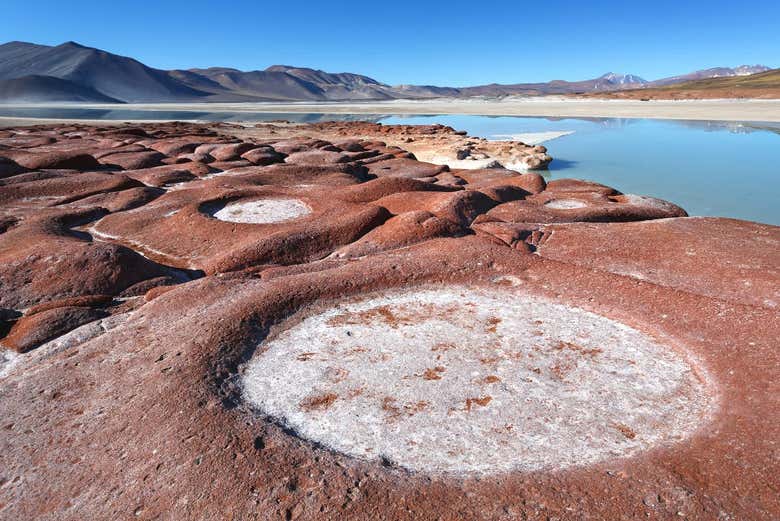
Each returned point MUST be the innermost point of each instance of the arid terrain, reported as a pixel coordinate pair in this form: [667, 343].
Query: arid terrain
[364, 321]
[765, 85]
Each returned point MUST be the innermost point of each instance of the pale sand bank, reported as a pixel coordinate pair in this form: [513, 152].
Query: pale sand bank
[722, 110]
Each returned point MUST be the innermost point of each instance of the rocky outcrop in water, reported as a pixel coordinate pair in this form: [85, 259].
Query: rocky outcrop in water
[308, 322]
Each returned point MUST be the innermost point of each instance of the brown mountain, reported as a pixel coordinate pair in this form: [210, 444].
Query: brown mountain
[75, 73]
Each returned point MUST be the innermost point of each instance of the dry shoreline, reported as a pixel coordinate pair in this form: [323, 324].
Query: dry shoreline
[721, 110]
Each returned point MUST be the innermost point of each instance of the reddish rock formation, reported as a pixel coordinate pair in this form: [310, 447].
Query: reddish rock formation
[133, 160]
[33, 330]
[437, 144]
[580, 206]
[441, 343]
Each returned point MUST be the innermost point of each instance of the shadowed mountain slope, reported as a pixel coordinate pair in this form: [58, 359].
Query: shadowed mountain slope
[114, 76]
[38, 89]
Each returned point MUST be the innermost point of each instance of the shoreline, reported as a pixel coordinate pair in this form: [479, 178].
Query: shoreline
[748, 110]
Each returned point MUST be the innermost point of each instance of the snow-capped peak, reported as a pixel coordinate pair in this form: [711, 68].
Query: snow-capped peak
[622, 79]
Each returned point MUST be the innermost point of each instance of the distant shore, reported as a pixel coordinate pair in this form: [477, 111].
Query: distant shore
[548, 106]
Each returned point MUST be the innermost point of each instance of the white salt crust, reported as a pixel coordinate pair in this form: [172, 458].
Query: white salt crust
[462, 380]
[8, 360]
[565, 204]
[263, 211]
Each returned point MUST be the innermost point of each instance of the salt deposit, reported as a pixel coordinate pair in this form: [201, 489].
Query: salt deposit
[464, 380]
[263, 211]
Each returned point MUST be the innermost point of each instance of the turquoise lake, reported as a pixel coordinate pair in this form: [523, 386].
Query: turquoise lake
[727, 169]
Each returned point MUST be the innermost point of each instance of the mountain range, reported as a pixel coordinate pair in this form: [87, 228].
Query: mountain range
[71, 72]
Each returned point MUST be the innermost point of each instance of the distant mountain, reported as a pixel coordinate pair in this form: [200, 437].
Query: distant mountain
[284, 83]
[607, 82]
[39, 89]
[73, 72]
[755, 86]
[717, 72]
[111, 75]
[611, 78]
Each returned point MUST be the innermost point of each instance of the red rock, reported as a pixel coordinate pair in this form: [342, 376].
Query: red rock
[505, 193]
[133, 160]
[31, 331]
[497, 177]
[161, 178]
[195, 168]
[460, 207]
[316, 157]
[403, 230]
[231, 152]
[678, 253]
[56, 188]
[290, 175]
[84, 301]
[405, 168]
[60, 159]
[518, 236]
[551, 206]
[140, 289]
[384, 186]
[156, 292]
[42, 260]
[200, 158]
[216, 245]
[8, 318]
[174, 160]
[20, 140]
[292, 146]
[263, 156]
[176, 146]
[9, 167]
[207, 148]
[106, 149]
[6, 222]
[352, 146]
[229, 165]
[121, 200]
[578, 185]
[379, 158]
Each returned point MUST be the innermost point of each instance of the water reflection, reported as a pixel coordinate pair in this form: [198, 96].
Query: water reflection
[181, 115]
[74, 112]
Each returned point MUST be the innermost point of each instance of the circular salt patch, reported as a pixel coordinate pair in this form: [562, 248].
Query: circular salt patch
[263, 211]
[464, 380]
[565, 204]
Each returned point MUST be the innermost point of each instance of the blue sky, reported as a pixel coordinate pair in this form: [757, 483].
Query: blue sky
[425, 42]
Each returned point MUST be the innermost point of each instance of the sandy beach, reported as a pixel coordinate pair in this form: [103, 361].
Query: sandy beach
[548, 106]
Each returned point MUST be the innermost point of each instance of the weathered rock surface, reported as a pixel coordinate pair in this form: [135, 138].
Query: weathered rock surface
[31, 331]
[436, 144]
[356, 334]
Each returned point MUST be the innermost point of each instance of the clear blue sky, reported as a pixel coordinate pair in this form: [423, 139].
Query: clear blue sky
[426, 42]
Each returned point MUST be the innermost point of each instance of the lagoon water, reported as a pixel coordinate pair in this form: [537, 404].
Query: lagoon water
[712, 168]
[721, 169]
